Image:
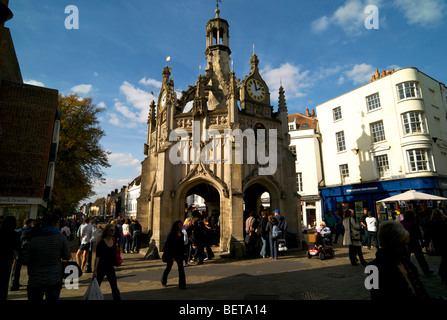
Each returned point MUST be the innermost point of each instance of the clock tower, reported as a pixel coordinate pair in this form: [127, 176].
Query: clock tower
[225, 119]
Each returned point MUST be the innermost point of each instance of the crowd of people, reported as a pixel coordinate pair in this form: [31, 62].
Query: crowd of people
[43, 244]
[396, 239]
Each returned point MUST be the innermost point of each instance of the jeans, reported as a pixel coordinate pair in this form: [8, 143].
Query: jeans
[181, 272]
[136, 241]
[51, 292]
[111, 277]
[263, 248]
[273, 247]
[127, 243]
[372, 235]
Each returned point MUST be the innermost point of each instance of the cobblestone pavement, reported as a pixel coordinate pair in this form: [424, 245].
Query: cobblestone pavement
[290, 277]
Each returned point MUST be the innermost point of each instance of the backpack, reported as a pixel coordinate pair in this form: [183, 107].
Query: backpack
[276, 232]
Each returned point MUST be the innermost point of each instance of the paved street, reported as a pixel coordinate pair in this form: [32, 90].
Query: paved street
[291, 277]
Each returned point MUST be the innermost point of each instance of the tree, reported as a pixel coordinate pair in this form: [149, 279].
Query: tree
[80, 157]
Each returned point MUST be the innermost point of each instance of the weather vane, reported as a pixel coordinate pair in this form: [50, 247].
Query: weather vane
[217, 3]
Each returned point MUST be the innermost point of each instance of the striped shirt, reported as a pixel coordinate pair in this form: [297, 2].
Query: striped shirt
[43, 258]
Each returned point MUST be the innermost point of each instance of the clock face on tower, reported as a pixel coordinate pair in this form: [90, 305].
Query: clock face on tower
[163, 99]
[256, 90]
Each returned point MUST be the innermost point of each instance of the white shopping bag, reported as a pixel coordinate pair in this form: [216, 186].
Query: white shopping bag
[93, 292]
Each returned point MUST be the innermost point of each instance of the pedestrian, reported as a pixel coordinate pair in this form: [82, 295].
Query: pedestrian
[282, 222]
[372, 224]
[273, 238]
[174, 250]
[208, 238]
[47, 249]
[251, 235]
[199, 237]
[25, 238]
[339, 228]
[330, 222]
[9, 242]
[188, 228]
[117, 236]
[135, 228]
[364, 228]
[398, 278]
[66, 230]
[262, 233]
[105, 260]
[86, 233]
[435, 233]
[127, 236]
[352, 238]
[414, 245]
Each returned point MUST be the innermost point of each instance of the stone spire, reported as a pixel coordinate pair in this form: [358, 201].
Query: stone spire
[282, 106]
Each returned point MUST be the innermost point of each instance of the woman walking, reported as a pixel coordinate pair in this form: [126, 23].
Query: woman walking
[105, 260]
[127, 236]
[273, 240]
[174, 250]
[352, 238]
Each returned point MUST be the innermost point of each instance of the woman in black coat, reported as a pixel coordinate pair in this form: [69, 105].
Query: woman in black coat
[174, 250]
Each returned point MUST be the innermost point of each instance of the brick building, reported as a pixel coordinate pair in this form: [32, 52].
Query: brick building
[29, 135]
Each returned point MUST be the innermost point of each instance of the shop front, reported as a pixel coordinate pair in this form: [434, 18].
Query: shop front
[21, 208]
[366, 195]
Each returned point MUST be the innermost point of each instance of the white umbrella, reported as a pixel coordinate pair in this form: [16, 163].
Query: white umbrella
[412, 195]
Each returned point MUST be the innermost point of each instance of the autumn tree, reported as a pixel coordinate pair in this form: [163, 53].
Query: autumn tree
[80, 157]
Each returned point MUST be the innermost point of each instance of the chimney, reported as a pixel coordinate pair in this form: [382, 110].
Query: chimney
[313, 112]
[307, 112]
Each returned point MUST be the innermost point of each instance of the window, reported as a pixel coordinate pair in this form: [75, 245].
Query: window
[291, 126]
[341, 145]
[413, 122]
[418, 160]
[344, 173]
[377, 131]
[293, 150]
[305, 126]
[337, 113]
[408, 89]
[383, 166]
[373, 102]
[299, 181]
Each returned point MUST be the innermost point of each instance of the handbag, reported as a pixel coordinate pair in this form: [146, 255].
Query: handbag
[355, 234]
[118, 258]
[69, 269]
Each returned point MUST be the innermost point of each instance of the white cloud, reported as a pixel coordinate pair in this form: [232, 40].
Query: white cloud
[320, 25]
[34, 83]
[360, 73]
[123, 160]
[292, 78]
[136, 109]
[151, 82]
[426, 13]
[82, 88]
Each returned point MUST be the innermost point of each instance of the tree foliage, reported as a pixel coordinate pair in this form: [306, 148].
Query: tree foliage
[80, 157]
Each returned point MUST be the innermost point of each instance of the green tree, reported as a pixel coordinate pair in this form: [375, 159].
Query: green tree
[80, 157]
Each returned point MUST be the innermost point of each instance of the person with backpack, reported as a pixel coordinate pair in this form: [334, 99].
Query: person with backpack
[25, 239]
[282, 223]
[274, 233]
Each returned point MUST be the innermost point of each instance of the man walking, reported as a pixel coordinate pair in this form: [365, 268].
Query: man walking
[86, 234]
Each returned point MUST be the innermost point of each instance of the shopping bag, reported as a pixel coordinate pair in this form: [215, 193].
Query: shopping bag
[93, 292]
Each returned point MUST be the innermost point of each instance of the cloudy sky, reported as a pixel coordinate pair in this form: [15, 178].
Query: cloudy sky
[117, 50]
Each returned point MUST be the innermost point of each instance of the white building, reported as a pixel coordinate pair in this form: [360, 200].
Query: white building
[305, 145]
[385, 137]
[133, 193]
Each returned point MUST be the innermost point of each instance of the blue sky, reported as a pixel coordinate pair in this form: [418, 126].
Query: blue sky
[318, 49]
